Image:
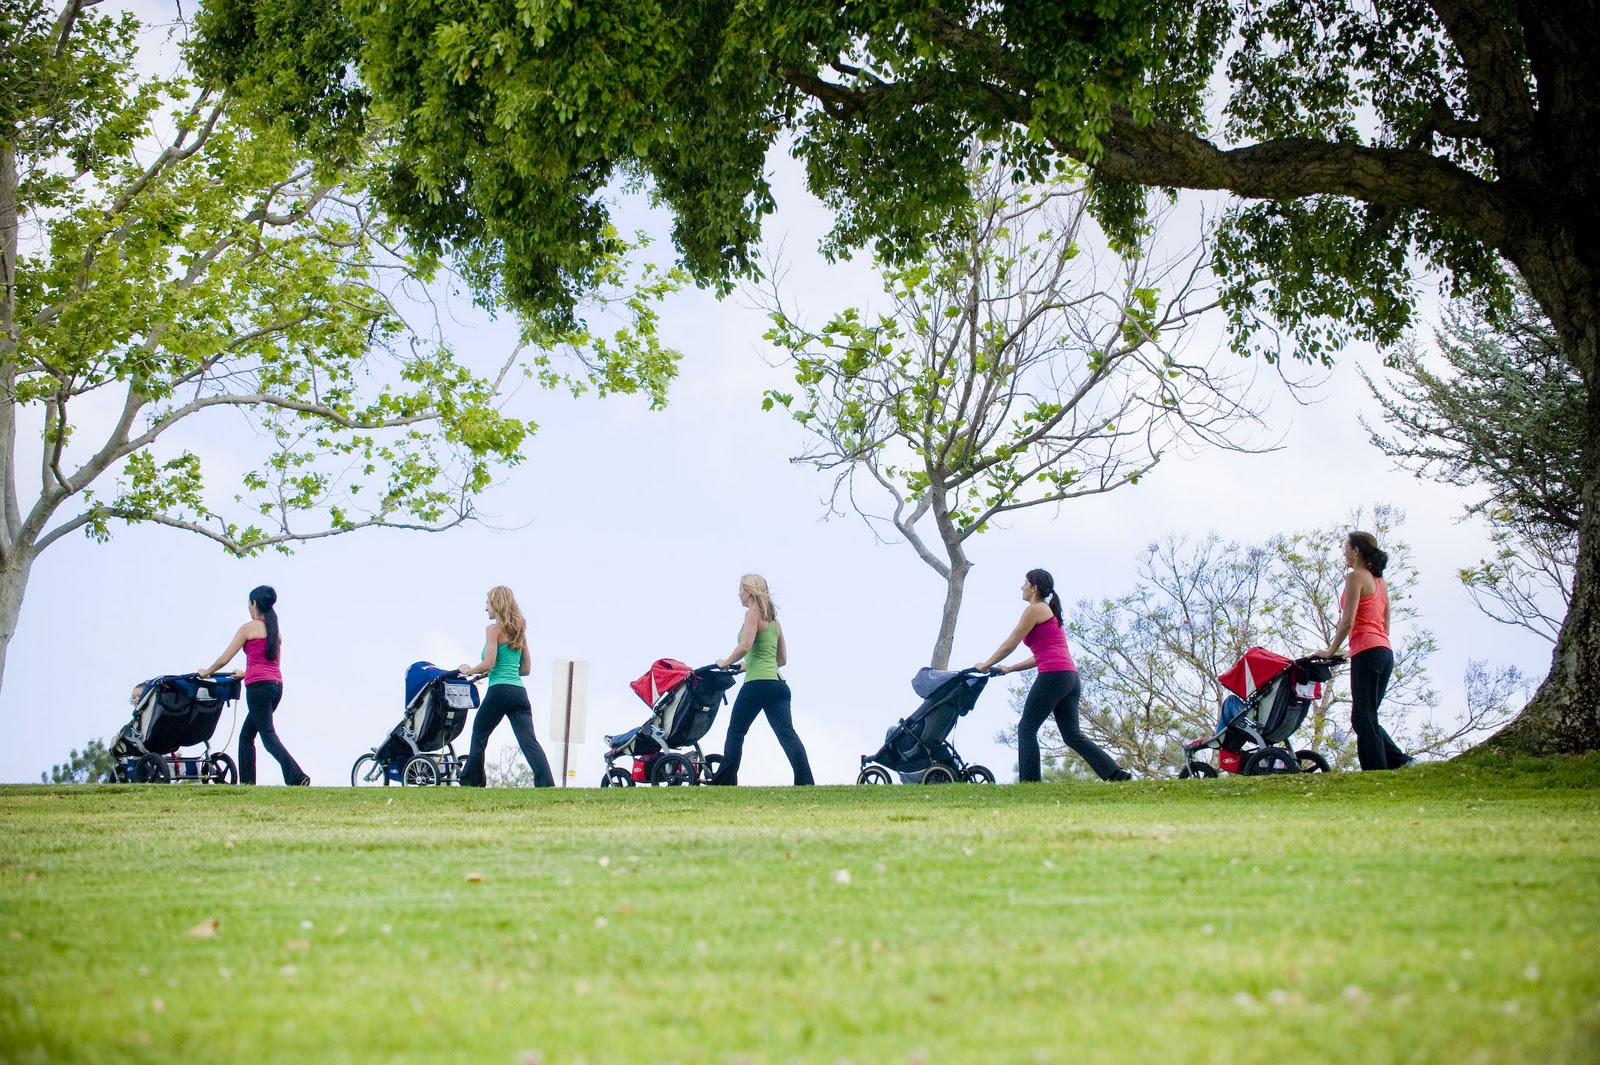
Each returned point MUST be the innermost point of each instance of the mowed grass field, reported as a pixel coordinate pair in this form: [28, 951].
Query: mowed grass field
[1443, 914]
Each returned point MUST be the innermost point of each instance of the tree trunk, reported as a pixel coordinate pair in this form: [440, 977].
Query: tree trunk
[15, 566]
[1564, 715]
[954, 586]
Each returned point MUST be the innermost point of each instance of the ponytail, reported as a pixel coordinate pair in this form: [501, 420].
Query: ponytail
[1045, 585]
[1366, 545]
[263, 599]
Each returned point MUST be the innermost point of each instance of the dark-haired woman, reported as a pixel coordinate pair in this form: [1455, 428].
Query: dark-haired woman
[1056, 690]
[262, 644]
[1364, 617]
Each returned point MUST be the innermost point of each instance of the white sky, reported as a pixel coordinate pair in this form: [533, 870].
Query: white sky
[627, 531]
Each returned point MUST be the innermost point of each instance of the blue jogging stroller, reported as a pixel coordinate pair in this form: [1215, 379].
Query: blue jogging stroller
[918, 747]
[418, 751]
[171, 713]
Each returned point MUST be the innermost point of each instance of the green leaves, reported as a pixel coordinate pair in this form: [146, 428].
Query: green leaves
[224, 278]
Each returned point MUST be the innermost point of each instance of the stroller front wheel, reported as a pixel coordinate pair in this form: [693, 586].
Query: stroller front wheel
[874, 775]
[1197, 769]
[616, 778]
[368, 772]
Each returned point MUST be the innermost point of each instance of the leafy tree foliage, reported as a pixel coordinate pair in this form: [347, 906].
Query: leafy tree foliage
[92, 765]
[1016, 368]
[1365, 140]
[1507, 416]
[166, 265]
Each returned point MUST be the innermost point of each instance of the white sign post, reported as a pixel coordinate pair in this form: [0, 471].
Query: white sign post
[569, 703]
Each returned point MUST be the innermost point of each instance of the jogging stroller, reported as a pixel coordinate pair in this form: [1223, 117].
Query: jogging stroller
[1271, 696]
[918, 748]
[666, 749]
[172, 713]
[418, 751]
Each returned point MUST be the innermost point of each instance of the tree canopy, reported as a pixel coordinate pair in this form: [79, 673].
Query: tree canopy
[1362, 140]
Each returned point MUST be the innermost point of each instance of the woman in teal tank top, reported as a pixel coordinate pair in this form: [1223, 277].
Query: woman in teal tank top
[506, 662]
[764, 652]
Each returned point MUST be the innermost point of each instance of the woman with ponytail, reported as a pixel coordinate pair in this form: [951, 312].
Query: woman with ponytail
[762, 647]
[1056, 690]
[262, 644]
[506, 661]
[1364, 617]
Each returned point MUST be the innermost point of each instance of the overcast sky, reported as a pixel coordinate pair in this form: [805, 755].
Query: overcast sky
[624, 534]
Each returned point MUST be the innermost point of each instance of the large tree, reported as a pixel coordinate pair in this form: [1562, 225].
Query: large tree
[1017, 365]
[1504, 416]
[1366, 142]
[168, 272]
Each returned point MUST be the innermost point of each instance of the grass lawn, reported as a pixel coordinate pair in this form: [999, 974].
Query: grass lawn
[1444, 914]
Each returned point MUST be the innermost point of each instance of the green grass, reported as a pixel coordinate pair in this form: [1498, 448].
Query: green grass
[1447, 914]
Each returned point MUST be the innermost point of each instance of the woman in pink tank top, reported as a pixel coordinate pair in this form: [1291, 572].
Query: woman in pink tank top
[263, 679]
[1364, 617]
[1056, 690]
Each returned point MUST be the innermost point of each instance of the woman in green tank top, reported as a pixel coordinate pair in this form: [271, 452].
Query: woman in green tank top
[763, 650]
[506, 662]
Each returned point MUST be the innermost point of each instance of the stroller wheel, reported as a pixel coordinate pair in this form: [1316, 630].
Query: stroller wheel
[709, 767]
[1196, 769]
[616, 778]
[151, 769]
[977, 774]
[938, 774]
[223, 771]
[874, 774]
[1268, 761]
[368, 772]
[1312, 762]
[420, 772]
[672, 770]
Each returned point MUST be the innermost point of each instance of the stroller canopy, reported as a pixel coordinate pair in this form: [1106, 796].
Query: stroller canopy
[419, 675]
[1254, 671]
[663, 675]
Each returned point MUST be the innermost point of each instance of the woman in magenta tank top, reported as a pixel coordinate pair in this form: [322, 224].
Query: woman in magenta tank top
[263, 681]
[1364, 617]
[1056, 690]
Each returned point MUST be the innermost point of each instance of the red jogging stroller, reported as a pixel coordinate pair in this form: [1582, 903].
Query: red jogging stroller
[1271, 696]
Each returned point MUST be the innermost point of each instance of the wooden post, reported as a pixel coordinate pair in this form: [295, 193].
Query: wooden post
[566, 732]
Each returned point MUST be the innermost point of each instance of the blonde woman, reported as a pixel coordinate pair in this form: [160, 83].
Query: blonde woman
[763, 650]
[506, 661]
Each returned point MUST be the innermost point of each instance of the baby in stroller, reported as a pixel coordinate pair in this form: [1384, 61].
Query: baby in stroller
[918, 748]
[1269, 698]
[418, 750]
[170, 713]
[666, 749]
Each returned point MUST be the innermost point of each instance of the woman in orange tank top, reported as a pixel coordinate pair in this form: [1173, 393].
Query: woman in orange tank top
[1364, 617]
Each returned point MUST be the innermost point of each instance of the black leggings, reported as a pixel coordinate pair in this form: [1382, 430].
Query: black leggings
[1369, 680]
[508, 701]
[261, 699]
[1056, 692]
[773, 697]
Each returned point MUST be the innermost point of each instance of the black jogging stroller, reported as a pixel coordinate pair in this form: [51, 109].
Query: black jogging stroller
[666, 749]
[918, 747]
[171, 713]
[418, 751]
[1271, 697]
